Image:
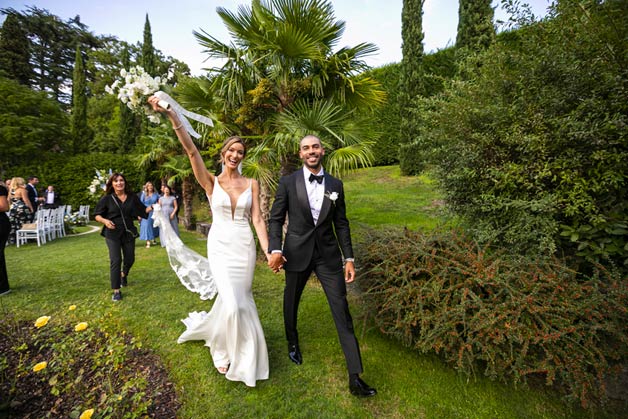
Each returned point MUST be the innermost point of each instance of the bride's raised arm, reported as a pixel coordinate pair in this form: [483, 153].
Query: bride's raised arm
[203, 176]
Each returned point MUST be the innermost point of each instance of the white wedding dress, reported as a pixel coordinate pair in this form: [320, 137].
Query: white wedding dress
[232, 329]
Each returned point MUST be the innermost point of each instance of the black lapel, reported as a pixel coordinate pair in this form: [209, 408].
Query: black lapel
[329, 184]
[304, 202]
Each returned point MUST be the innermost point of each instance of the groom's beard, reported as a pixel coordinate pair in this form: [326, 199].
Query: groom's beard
[316, 166]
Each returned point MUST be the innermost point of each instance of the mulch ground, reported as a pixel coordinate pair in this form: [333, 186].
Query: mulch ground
[24, 395]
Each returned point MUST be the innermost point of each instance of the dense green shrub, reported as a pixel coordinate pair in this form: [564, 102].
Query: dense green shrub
[532, 143]
[71, 176]
[438, 68]
[388, 117]
[511, 317]
[32, 126]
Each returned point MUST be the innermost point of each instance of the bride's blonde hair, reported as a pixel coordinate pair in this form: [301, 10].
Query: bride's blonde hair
[228, 143]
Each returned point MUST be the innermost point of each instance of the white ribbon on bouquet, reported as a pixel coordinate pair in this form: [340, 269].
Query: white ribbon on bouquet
[165, 101]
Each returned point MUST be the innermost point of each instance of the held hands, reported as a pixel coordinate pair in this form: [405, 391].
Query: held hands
[109, 224]
[276, 261]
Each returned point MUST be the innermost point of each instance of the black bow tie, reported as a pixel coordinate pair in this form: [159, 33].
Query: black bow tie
[313, 178]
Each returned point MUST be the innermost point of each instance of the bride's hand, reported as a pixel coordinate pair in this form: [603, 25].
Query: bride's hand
[153, 101]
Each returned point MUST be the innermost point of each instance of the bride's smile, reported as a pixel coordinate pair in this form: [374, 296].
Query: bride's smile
[234, 155]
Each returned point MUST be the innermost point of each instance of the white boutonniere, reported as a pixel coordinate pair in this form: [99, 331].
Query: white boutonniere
[332, 196]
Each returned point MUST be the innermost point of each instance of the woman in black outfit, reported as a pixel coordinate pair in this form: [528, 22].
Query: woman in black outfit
[5, 229]
[116, 211]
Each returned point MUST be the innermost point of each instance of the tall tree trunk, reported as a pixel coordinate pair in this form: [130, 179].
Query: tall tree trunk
[264, 201]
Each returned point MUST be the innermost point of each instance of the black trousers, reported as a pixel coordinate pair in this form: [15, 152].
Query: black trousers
[5, 229]
[333, 282]
[120, 251]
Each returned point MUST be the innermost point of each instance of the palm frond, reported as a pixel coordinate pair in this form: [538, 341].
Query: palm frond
[343, 160]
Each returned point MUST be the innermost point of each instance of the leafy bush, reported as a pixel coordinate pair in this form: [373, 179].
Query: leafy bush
[531, 144]
[60, 366]
[73, 220]
[32, 127]
[438, 68]
[513, 317]
[71, 176]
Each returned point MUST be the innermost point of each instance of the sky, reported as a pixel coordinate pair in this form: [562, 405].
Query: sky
[172, 23]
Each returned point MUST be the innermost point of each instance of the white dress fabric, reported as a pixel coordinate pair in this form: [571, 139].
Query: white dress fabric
[191, 268]
[232, 329]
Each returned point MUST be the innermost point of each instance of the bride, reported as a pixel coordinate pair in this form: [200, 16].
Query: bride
[232, 328]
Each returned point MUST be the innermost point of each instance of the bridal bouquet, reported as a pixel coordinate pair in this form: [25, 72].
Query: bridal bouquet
[135, 87]
[99, 181]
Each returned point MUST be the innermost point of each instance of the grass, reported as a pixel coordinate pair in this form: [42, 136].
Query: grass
[74, 270]
[381, 197]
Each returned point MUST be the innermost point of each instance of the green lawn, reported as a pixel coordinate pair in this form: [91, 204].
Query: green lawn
[74, 270]
[381, 197]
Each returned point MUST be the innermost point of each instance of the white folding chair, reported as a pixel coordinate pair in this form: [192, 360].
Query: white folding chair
[32, 231]
[84, 212]
[57, 221]
[48, 227]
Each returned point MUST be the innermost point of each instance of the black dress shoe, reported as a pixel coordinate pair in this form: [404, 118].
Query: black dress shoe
[295, 354]
[359, 388]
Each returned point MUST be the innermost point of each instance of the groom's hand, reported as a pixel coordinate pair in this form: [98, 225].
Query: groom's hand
[276, 262]
[349, 272]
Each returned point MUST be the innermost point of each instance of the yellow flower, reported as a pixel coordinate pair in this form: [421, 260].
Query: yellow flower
[72, 307]
[87, 414]
[40, 366]
[42, 321]
[80, 326]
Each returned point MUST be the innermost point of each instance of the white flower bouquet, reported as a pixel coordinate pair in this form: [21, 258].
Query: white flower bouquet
[99, 181]
[135, 87]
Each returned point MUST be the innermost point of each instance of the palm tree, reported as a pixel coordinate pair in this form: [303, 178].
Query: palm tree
[281, 79]
[281, 61]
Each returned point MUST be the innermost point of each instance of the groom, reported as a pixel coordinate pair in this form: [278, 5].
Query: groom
[318, 238]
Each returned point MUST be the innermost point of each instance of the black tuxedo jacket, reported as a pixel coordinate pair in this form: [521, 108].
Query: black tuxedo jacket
[30, 189]
[331, 234]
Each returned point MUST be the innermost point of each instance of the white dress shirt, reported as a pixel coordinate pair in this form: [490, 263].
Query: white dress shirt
[315, 192]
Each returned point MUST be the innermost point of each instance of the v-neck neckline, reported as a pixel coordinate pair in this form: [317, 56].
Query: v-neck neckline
[231, 207]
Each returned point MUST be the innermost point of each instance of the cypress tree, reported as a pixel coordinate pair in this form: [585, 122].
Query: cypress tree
[78, 129]
[475, 24]
[410, 85]
[148, 52]
[15, 51]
